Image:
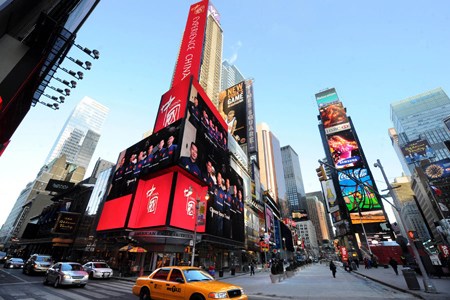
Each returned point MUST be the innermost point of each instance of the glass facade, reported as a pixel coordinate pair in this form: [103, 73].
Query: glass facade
[295, 189]
[81, 133]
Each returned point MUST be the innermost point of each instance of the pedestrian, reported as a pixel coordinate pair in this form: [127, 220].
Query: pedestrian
[333, 268]
[394, 265]
[252, 268]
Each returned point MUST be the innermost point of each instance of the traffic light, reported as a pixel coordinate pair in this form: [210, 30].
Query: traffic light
[187, 249]
[321, 174]
[412, 235]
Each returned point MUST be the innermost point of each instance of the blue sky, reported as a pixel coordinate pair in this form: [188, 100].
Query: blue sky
[373, 53]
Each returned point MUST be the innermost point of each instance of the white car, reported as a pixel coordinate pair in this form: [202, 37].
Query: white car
[98, 269]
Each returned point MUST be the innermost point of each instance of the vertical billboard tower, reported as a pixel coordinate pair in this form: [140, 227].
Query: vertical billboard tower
[179, 178]
[353, 204]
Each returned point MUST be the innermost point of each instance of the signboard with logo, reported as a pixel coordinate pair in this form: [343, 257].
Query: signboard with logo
[416, 151]
[114, 213]
[58, 186]
[437, 170]
[334, 118]
[66, 223]
[233, 108]
[344, 150]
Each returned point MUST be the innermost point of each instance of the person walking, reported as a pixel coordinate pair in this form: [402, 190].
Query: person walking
[333, 268]
[394, 265]
[252, 268]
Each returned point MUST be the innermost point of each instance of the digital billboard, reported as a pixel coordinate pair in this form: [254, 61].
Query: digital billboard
[151, 202]
[438, 169]
[358, 196]
[417, 151]
[334, 118]
[233, 109]
[326, 97]
[114, 213]
[344, 150]
[190, 54]
[374, 216]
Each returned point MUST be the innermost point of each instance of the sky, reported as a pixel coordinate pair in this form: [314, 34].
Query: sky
[374, 53]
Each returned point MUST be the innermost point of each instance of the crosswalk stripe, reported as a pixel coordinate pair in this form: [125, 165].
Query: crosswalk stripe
[123, 289]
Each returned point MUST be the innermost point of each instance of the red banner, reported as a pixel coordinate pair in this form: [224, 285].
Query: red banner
[189, 58]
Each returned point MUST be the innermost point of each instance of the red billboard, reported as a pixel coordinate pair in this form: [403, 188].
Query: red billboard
[184, 204]
[173, 105]
[114, 213]
[151, 202]
[191, 49]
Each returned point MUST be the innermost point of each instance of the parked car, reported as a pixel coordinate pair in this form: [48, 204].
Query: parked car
[14, 262]
[98, 269]
[66, 273]
[2, 257]
[184, 282]
[37, 263]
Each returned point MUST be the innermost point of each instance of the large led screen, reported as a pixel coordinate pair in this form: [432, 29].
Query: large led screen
[191, 49]
[326, 97]
[183, 214]
[153, 153]
[375, 216]
[114, 213]
[173, 105]
[233, 109]
[151, 202]
[344, 150]
[417, 151]
[358, 196]
[437, 170]
[334, 118]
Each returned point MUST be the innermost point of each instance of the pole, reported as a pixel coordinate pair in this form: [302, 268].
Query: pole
[197, 201]
[428, 284]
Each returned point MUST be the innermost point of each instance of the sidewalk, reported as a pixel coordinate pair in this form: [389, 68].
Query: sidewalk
[388, 277]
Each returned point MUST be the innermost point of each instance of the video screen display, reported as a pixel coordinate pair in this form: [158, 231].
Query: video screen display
[158, 151]
[233, 109]
[344, 150]
[374, 216]
[114, 213]
[437, 170]
[358, 196]
[334, 118]
[417, 151]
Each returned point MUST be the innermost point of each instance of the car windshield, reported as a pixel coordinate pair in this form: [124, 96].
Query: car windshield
[71, 267]
[44, 259]
[100, 265]
[196, 275]
[16, 259]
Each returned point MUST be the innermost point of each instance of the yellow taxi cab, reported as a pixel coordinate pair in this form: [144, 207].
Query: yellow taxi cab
[187, 283]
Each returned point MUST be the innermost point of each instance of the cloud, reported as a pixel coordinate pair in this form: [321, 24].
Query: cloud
[235, 48]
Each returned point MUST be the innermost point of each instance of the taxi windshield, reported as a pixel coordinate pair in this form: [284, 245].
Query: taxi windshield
[196, 275]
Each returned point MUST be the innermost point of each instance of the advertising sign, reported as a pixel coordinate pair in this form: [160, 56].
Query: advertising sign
[326, 97]
[233, 109]
[190, 55]
[358, 196]
[330, 195]
[437, 170]
[300, 215]
[58, 186]
[252, 145]
[151, 202]
[114, 213]
[270, 225]
[344, 150]
[374, 216]
[417, 151]
[66, 223]
[334, 118]
[173, 105]
[184, 213]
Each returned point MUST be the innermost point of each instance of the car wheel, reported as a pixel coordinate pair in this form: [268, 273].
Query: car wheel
[91, 275]
[197, 297]
[56, 284]
[144, 294]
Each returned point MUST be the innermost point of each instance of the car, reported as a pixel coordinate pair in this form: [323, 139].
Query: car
[184, 282]
[98, 269]
[37, 263]
[14, 262]
[66, 273]
[3, 257]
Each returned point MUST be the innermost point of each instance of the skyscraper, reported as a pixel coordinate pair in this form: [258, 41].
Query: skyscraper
[80, 135]
[230, 75]
[295, 189]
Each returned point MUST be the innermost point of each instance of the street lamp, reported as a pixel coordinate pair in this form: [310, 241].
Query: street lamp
[197, 206]
[429, 287]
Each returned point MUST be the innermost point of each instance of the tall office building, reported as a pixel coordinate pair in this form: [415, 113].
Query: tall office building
[316, 213]
[230, 75]
[271, 166]
[295, 190]
[80, 135]
[420, 118]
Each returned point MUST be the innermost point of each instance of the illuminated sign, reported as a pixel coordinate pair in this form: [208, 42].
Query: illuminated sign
[344, 150]
[334, 118]
[114, 213]
[417, 151]
[437, 170]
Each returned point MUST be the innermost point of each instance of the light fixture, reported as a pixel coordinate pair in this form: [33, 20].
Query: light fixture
[59, 99]
[53, 106]
[95, 54]
[85, 65]
[78, 75]
[71, 84]
[65, 92]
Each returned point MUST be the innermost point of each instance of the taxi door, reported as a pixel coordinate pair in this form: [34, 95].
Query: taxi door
[175, 286]
[157, 284]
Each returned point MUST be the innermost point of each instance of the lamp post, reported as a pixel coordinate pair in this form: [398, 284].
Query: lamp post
[429, 287]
